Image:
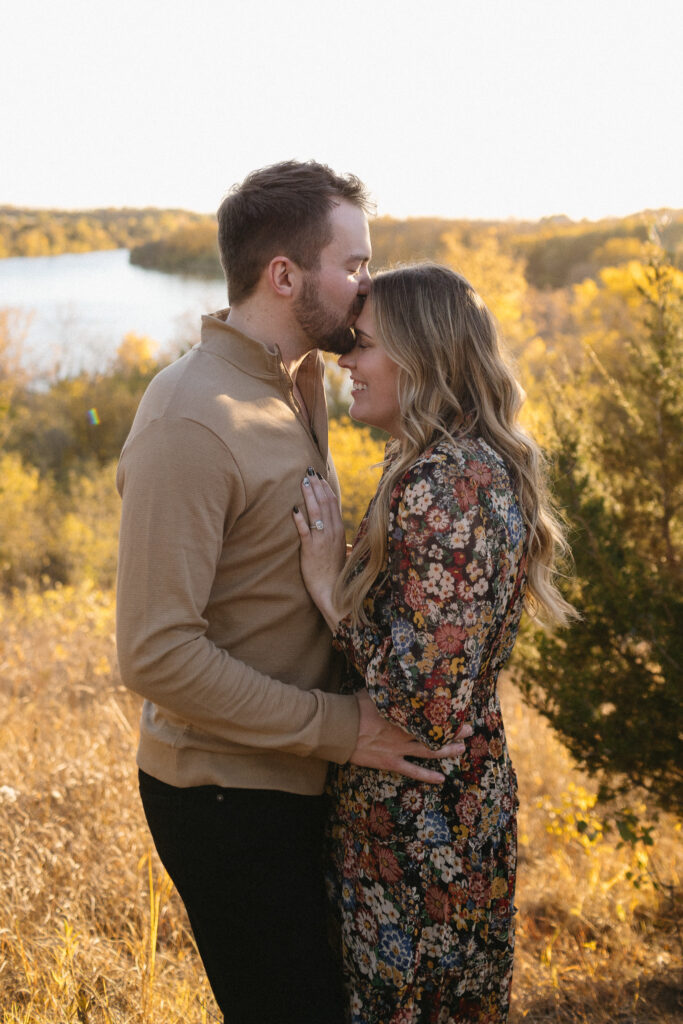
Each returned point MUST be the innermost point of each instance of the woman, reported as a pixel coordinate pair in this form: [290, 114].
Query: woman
[457, 538]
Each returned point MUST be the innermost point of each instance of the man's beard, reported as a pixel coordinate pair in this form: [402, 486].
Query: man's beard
[320, 324]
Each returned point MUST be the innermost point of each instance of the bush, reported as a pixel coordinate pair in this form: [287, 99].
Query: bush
[612, 685]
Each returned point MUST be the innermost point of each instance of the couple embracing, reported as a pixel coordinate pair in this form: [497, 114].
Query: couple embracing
[322, 757]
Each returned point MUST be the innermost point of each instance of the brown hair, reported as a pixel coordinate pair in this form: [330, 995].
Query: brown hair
[453, 383]
[281, 209]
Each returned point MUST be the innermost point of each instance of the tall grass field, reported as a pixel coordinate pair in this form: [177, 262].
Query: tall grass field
[91, 930]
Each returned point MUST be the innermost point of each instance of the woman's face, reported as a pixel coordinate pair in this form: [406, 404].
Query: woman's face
[374, 377]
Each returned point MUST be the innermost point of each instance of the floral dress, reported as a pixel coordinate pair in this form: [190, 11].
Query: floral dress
[422, 876]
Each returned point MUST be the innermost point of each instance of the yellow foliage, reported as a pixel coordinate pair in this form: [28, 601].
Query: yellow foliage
[614, 307]
[574, 819]
[356, 454]
[635, 277]
[618, 250]
[137, 353]
[14, 325]
[27, 521]
[44, 532]
[499, 279]
[89, 529]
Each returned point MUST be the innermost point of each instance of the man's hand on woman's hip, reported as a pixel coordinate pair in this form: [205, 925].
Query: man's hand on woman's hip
[383, 745]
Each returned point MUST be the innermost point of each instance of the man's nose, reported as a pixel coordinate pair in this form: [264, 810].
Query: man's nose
[364, 281]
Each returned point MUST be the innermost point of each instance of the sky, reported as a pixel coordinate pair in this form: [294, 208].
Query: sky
[477, 109]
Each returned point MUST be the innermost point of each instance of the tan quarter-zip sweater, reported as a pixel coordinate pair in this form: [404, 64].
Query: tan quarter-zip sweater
[215, 627]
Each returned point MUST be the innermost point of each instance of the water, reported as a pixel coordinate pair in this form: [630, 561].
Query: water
[76, 308]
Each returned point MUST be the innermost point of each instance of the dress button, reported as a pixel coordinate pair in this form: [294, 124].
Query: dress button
[220, 797]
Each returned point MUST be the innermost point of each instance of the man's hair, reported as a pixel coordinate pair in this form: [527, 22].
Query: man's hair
[282, 209]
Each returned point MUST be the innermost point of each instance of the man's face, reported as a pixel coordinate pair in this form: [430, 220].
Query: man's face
[332, 296]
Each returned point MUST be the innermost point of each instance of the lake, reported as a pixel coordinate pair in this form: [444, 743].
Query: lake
[78, 307]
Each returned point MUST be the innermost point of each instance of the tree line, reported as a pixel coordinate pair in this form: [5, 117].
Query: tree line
[28, 232]
[555, 251]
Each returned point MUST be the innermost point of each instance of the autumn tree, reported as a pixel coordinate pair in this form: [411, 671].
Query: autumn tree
[611, 685]
[28, 545]
[498, 277]
[84, 420]
[13, 376]
[87, 530]
[62, 440]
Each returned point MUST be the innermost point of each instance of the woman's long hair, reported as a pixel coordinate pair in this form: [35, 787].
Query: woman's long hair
[453, 383]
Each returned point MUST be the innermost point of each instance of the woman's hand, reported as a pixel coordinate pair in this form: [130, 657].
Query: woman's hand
[323, 543]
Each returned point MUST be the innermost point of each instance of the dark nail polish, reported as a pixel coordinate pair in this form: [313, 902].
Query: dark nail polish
[310, 471]
[296, 508]
[319, 476]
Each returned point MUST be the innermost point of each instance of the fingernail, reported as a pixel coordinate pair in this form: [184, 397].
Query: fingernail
[319, 476]
[310, 471]
[296, 508]
[307, 482]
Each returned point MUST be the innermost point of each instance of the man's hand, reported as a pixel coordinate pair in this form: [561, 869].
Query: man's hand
[383, 745]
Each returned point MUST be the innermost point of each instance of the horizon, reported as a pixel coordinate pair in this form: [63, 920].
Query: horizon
[651, 211]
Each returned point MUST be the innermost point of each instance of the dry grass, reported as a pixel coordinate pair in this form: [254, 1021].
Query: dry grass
[77, 879]
[599, 936]
[90, 931]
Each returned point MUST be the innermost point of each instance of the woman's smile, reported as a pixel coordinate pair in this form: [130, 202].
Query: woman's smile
[374, 377]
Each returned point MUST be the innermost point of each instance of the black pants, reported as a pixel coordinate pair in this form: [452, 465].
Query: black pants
[247, 865]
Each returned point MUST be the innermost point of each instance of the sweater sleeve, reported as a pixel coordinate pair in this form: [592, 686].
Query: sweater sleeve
[181, 491]
[421, 666]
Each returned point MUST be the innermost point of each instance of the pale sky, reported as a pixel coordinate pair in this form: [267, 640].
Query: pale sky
[484, 108]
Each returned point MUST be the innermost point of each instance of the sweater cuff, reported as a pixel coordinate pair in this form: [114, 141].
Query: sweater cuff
[340, 730]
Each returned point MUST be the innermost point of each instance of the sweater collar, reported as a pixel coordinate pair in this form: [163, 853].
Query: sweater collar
[248, 354]
[256, 359]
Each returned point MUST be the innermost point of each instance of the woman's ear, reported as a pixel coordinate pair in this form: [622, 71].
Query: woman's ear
[282, 275]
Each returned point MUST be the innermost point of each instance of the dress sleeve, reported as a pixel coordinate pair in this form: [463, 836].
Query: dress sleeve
[439, 597]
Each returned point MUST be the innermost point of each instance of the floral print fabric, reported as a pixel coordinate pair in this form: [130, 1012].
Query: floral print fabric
[422, 877]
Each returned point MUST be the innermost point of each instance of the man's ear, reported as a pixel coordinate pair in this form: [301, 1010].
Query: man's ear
[283, 276]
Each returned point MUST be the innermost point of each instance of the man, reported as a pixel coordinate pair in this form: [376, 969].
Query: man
[215, 627]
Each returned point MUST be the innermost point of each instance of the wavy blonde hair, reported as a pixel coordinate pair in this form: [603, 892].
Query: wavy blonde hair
[453, 383]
